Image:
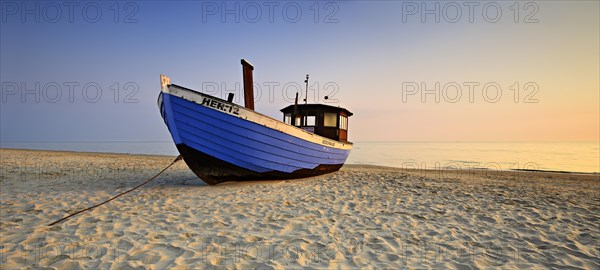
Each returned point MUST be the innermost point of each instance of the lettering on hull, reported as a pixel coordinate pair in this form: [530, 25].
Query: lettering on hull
[328, 143]
[224, 107]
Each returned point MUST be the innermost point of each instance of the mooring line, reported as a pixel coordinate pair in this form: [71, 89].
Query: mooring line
[92, 207]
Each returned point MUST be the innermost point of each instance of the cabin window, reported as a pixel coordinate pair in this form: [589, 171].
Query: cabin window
[330, 120]
[298, 121]
[287, 118]
[343, 122]
[311, 120]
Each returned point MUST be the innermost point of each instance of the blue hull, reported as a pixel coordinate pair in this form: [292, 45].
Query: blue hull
[219, 146]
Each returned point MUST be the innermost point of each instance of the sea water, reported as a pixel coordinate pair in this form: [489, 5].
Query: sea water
[550, 156]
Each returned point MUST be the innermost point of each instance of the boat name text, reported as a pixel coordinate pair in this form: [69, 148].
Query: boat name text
[228, 108]
[328, 143]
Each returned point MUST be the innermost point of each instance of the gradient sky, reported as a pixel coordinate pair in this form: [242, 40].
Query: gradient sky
[371, 54]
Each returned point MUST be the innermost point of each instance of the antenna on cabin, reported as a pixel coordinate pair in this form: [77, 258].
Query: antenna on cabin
[306, 96]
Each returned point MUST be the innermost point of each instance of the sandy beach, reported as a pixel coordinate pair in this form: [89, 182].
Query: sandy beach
[360, 217]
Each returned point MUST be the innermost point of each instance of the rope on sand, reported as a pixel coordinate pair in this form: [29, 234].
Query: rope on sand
[92, 207]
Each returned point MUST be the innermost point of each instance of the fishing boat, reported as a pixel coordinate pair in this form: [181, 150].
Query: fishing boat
[221, 141]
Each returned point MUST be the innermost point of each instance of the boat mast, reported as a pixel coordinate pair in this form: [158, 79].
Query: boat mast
[306, 99]
[295, 112]
[306, 96]
[247, 69]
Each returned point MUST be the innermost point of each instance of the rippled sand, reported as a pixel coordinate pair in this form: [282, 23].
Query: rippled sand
[360, 217]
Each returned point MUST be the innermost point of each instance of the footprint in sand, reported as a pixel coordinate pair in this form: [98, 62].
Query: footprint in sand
[150, 258]
[486, 219]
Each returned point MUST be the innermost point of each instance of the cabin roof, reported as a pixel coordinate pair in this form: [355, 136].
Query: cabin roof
[320, 107]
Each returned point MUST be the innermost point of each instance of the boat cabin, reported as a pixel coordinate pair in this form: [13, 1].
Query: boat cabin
[324, 120]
